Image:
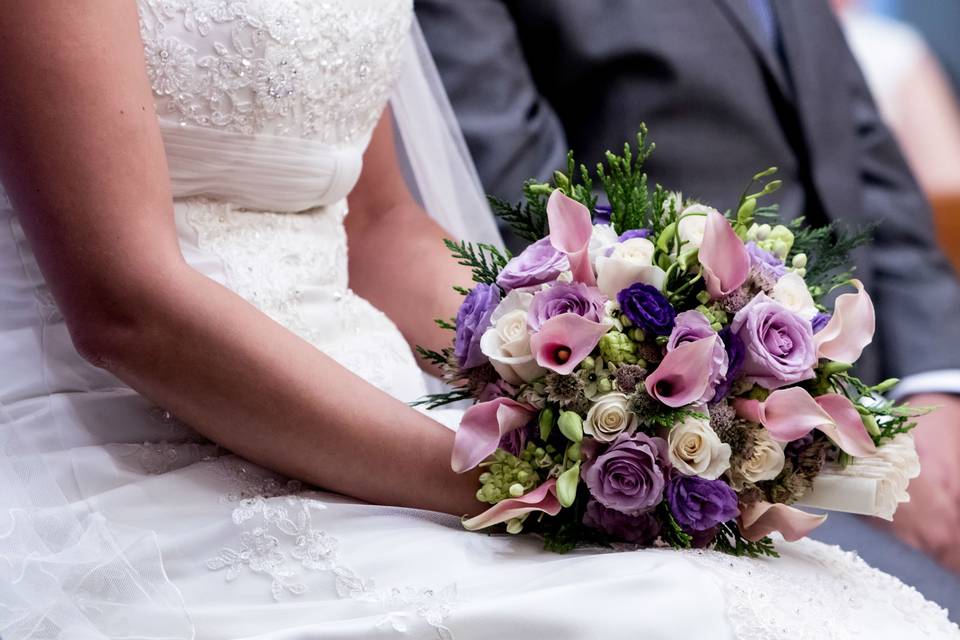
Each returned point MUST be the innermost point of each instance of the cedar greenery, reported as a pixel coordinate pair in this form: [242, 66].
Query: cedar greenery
[828, 251]
[729, 540]
[485, 260]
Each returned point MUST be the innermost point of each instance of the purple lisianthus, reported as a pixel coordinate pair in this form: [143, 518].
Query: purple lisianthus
[647, 308]
[601, 214]
[778, 343]
[537, 264]
[563, 297]
[629, 476]
[765, 261]
[641, 529]
[819, 321]
[691, 326]
[699, 504]
[473, 318]
[735, 354]
[634, 233]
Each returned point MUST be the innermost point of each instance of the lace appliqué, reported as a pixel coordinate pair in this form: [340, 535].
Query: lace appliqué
[319, 70]
[761, 607]
[279, 540]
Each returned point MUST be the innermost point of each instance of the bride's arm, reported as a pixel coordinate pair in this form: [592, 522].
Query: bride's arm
[397, 257]
[82, 159]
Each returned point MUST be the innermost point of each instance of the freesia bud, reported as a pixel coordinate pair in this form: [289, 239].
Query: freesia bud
[571, 426]
[515, 526]
[800, 261]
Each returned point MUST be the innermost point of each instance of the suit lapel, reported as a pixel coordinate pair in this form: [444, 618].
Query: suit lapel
[743, 18]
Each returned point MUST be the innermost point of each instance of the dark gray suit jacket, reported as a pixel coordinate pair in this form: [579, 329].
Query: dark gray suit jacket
[531, 78]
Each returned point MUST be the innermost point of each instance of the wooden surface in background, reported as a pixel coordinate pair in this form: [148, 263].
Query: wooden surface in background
[946, 213]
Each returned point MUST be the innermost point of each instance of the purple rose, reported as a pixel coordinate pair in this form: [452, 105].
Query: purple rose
[634, 233]
[473, 318]
[766, 262]
[779, 343]
[536, 264]
[563, 297]
[629, 476]
[699, 504]
[647, 308]
[691, 326]
[819, 321]
[601, 214]
[641, 529]
[735, 354]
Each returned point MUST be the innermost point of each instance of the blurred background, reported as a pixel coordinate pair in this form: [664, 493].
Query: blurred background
[909, 51]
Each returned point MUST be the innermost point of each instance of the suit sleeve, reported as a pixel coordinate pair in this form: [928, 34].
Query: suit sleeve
[915, 290]
[512, 131]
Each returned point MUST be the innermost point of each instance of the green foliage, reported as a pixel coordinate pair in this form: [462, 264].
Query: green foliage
[729, 540]
[660, 416]
[828, 251]
[672, 533]
[450, 324]
[485, 260]
[528, 219]
[625, 184]
[435, 400]
[433, 357]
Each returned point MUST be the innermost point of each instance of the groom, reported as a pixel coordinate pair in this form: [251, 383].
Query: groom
[729, 87]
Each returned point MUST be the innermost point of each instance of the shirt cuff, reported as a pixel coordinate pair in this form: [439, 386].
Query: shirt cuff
[940, 381]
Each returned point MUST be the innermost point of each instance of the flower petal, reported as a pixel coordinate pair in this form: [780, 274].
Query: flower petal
[723, 256]
[762, 518]
[616, 274]
[850, 329]
[790, 414]
[543, 498]
[570, 232]
[569, 333]
[482, 427]
[847, 430]
[683, 375]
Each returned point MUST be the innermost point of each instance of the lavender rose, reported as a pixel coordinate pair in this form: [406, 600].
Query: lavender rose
[537, 264]
[779, 343]
[629, 476]
[766, 262]
[563, 297]
[473, 319]
[647, 308]
[699, 504]
[641, 529]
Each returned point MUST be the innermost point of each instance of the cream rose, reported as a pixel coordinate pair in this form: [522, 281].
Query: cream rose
[791, 291]
[609, 417]
[507, 342]
[696, 450]
[629, 262]
[692, 227]
[766, 461]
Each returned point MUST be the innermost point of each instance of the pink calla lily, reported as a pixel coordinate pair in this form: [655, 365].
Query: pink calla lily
[543, 498]
[762, 518]
[850, 329]
[790, 414]
[481, 428]
[565, 340]
[683, 375]
[724, 258]
[570, 232]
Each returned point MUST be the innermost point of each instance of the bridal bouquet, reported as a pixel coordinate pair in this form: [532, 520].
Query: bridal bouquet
[655, 372]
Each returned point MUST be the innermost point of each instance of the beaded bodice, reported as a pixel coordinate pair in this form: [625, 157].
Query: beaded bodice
[312, 69]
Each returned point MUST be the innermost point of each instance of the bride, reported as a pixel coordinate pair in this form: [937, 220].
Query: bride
[173, 252]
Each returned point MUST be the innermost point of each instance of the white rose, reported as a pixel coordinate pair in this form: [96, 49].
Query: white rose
[507, 342]
[766, 461]
[629, 263]
[609, 417]
[791, 291]
[696, 450]
[692, 227]
[601, 239]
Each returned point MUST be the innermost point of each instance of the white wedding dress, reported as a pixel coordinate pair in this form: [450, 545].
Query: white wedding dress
[117, 521]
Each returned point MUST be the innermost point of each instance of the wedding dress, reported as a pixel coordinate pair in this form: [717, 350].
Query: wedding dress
[118, 521]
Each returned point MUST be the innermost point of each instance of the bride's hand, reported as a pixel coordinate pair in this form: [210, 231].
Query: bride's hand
[931, 520]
